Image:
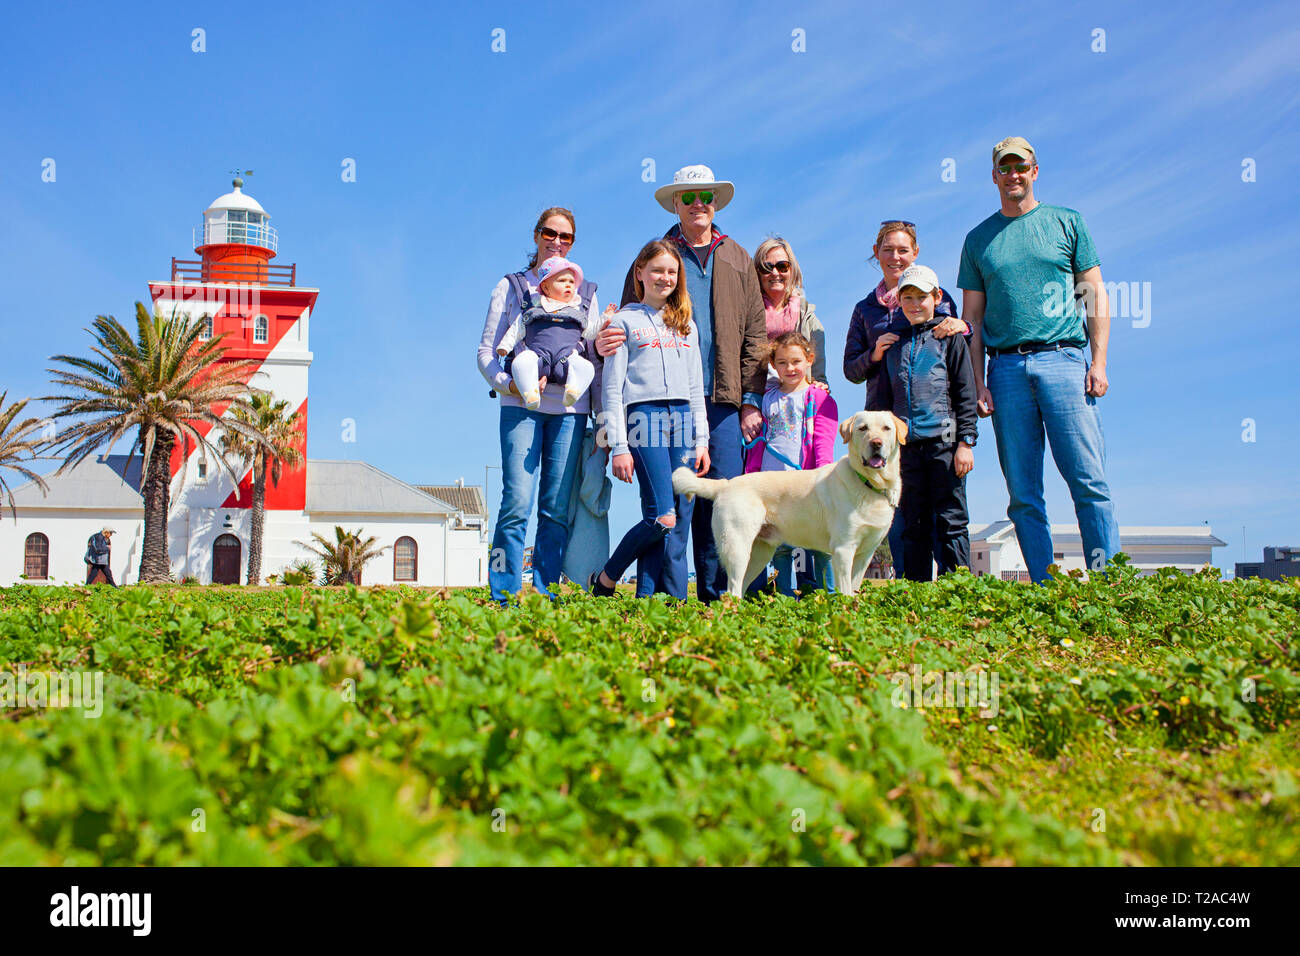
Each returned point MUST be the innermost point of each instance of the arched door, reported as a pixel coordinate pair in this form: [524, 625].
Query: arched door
[226, 551]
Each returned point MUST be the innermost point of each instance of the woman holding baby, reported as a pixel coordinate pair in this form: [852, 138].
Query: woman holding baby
[534, 312]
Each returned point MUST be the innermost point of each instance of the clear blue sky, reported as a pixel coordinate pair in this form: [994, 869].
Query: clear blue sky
[457, 149]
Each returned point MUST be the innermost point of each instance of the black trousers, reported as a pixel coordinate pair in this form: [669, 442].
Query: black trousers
[98, 573]
[935, 519]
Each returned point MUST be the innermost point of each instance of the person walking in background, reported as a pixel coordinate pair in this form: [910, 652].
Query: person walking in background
[1021, 269]
[727, 306]
[655, 419]
[99, 557]
[877, 318]
[928, 383]
[545, 440]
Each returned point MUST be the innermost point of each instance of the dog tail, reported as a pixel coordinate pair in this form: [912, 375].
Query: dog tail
[686, 482]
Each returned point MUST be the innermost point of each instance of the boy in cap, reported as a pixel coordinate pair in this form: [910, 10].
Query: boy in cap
[930, 384]
[552, 331]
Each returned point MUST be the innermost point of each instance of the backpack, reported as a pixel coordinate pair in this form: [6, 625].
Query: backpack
[519, 283]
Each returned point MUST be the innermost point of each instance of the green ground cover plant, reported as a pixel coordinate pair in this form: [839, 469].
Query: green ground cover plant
[1143, 721]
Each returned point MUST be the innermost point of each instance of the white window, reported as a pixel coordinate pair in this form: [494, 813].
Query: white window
[203, 471]
[207, 328]
[261, 326]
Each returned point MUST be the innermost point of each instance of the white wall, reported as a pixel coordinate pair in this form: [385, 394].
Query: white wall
[68, 531]
[191, 533]
[427, 530]
[467, 557]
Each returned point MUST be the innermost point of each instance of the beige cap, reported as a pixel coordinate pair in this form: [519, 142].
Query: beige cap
[1014, 145]
[918, 277]
[106, 530]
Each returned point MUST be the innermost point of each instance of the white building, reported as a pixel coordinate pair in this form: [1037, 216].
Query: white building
[995, 550]
[429, 541]
[264, 316]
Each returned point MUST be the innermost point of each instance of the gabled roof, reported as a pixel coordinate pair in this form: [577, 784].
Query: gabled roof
[100, 483]
[355, 487]
[466, 498]
[1002, 532]
[995, 532]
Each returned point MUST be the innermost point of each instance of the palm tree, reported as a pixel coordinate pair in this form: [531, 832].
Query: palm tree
[16, 446]
[282, 431]
[164, 383]
[345, 556]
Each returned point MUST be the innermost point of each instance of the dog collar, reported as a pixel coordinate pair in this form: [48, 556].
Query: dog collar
[879, 491]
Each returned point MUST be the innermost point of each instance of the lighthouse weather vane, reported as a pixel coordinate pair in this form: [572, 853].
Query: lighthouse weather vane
[237, 175]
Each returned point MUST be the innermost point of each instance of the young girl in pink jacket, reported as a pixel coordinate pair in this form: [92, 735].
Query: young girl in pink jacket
[800, 423]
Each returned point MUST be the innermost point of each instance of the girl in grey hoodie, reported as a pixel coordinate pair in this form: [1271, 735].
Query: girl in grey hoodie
[654, 417]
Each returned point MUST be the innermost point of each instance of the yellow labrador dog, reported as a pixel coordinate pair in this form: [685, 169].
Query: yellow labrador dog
[844, 509]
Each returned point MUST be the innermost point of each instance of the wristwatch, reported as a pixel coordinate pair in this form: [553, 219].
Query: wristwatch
[968, 439]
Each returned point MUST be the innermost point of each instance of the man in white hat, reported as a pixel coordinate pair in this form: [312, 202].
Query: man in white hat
[1021, 270]
[99, 559]
[727, 305]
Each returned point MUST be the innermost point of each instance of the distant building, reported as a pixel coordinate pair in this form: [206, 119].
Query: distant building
[995, 550]
[1278, 563]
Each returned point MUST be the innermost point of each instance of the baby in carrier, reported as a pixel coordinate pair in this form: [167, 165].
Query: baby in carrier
[552, 332]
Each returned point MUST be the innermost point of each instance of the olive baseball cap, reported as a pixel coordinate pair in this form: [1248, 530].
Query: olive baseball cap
[1014, 146]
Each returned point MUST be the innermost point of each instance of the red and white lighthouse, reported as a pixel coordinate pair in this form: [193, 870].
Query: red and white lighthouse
[261, 313]
[434, 534]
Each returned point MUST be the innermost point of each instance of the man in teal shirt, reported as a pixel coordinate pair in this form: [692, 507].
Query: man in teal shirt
[1021, 270]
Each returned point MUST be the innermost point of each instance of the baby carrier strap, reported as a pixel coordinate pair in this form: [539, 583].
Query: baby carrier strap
[519, 282]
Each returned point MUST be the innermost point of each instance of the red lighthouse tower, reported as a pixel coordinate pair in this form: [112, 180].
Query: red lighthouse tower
[262, 314]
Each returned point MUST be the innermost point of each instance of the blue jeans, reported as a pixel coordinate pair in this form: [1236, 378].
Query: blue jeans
[1044, 393]
[530, 439]
[695, 518]
[667, 443]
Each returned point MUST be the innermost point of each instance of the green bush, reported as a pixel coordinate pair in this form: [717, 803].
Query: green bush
[305, 726]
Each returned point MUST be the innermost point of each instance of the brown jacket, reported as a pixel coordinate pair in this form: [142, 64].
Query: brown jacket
[739, 324]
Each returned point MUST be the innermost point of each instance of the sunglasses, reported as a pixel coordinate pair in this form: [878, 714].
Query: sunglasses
[706, 197]
[550, 234]
[768, 268]
[1006, 168]
[897, 222]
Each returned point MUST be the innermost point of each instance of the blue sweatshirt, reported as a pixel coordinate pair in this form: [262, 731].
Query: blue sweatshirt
[654, 364]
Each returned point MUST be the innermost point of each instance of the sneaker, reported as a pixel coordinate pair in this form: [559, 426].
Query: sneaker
[596, 588]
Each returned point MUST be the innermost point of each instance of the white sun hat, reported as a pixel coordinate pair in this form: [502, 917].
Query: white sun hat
[694, 177]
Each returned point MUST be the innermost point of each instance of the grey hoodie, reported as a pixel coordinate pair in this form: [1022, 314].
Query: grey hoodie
[654, 364]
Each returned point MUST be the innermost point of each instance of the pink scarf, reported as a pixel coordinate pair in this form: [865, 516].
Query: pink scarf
[888, 298]
[782, 320]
